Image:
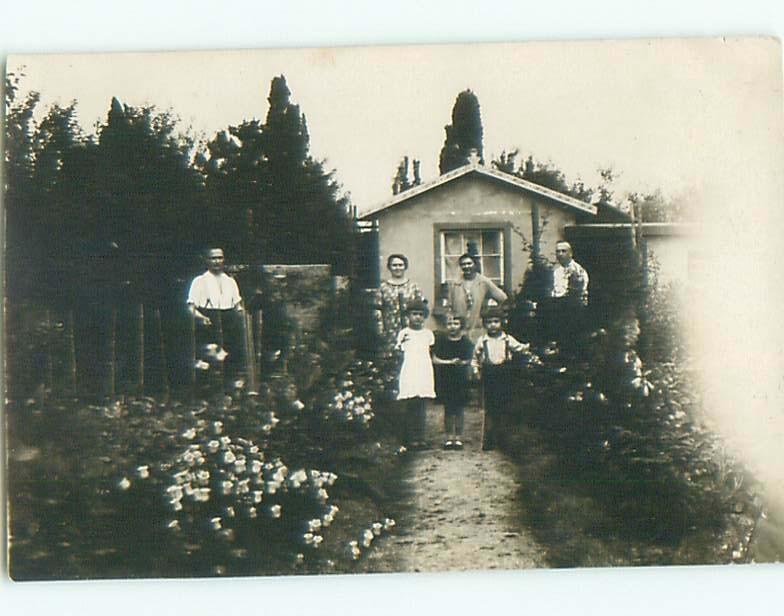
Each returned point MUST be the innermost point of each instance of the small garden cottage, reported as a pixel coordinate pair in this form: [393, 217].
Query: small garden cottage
[497, 216]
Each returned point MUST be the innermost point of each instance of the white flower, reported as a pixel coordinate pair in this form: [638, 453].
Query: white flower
[333, 510]
[229, 457]
[143, 471]
[239, 467]
[201, 365]
[217, 427]
[317, 540]
[327, 520]
[189, 434]
[389, 523]
[124, 483]
[314, 524]
[203, 476]
[376, 528]
[258, 495]
[225, 441]
[174, 525]
[255, 467]
[322, 494]
[308, 538]
[275, 511]
[227, 486]
[215, 523]
[298, 404]
[271, 487]
[229, 512]
[252, 513]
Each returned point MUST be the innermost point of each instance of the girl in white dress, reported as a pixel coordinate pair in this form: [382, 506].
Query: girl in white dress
[416, 382]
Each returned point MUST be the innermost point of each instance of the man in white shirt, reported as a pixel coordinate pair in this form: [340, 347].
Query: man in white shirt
[214, 301]
[569, 298]
[570, 280]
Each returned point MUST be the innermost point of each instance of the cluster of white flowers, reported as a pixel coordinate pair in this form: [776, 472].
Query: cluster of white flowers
[588, 392]
[348, 407]
[367, 537]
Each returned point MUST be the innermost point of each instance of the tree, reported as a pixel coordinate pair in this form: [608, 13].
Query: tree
[402, 182]
[542, 173]
[280, 204]
[463, 135]
[18, 184]
[144, 212]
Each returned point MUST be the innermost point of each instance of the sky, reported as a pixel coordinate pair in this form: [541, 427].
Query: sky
[648, 109]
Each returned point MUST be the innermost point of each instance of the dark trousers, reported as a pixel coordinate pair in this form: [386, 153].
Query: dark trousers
[225, 331]
[497, 399]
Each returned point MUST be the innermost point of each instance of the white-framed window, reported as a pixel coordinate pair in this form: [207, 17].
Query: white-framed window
[486, 243]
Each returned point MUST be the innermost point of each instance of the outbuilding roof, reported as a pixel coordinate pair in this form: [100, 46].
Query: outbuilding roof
[494, 174]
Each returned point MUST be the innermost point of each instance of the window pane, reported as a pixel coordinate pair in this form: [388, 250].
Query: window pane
[472, 242]
[491, 241]
[452, 269]
[454, 243]
[491, 267]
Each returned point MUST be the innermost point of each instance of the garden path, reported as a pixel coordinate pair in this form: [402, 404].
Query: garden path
[462, 509]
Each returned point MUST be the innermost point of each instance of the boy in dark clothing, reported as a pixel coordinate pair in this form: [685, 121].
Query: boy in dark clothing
[492, 358]
[451, 356]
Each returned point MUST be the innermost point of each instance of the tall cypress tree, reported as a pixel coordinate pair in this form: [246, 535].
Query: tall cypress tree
[463, 134]
[275, 202]
[307, 218]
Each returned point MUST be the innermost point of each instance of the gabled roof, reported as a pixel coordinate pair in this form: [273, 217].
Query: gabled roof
[506, 178]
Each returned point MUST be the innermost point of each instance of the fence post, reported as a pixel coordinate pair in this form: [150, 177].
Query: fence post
[222, 364]
[72, 352]
[249, 352]
[49, 361]
[192, 335]
[141, 349]
[259, 349]
[113, 354]
[162, 348]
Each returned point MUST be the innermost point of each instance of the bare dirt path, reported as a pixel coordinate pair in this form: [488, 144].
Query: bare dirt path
[459, 510]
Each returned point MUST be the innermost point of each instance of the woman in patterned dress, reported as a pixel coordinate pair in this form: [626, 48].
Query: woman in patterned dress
[391, 299]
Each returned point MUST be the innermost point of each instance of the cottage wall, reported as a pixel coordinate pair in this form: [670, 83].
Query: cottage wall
[410, 227]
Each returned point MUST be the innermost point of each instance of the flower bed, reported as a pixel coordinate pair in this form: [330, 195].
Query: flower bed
[238, 485]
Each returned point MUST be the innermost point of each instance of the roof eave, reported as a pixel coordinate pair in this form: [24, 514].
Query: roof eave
[542, 191]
